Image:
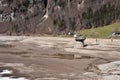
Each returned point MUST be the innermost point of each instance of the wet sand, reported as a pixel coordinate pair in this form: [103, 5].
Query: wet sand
[55, 58]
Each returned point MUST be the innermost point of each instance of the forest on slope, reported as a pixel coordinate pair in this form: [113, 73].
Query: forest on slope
[21, 17]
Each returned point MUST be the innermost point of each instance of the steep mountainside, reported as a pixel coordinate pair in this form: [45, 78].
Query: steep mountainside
[55, 16]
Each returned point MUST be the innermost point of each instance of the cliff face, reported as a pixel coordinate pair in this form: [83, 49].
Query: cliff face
[55, 16]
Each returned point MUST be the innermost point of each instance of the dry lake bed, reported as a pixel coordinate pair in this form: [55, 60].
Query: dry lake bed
[56, 58]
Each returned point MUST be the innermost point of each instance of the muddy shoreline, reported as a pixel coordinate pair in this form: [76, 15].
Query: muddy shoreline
[53, 58]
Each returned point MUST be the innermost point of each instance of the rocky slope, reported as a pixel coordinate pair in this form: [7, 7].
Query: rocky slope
[55, 16]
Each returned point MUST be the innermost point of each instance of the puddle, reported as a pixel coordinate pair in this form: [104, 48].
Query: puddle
[5, 44]
[8, 74]
[20, 53]
[71, 56]
[64, 56]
